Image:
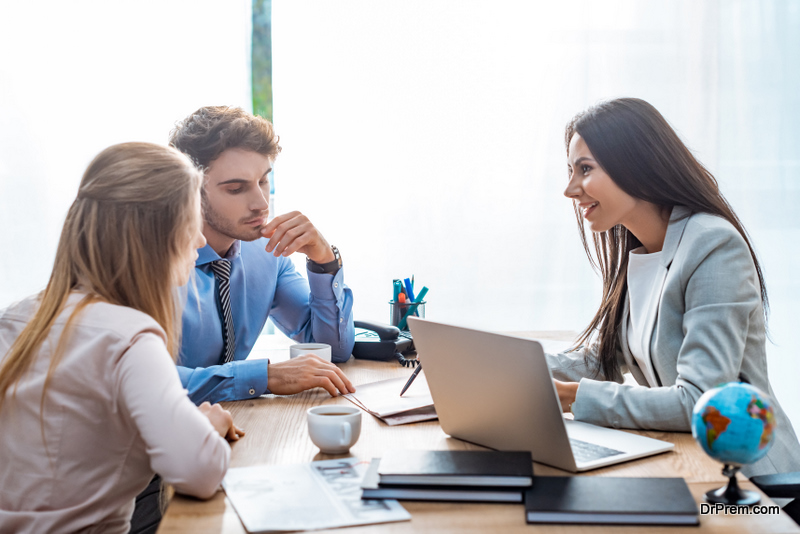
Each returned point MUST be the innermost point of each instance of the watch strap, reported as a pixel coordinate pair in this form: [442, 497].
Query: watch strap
[326, 268]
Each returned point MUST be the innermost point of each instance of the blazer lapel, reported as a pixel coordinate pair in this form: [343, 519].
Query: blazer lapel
[677, 224]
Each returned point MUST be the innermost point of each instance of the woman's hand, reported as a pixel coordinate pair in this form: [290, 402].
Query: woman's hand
[222, 421]
[567, 391]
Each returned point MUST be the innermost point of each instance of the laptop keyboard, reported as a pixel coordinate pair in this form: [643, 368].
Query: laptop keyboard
[586, 452]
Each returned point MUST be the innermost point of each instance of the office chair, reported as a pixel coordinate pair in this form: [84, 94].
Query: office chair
[782, 485]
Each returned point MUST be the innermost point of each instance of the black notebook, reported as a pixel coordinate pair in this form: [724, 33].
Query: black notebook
[372, 489]
[457, 468]
[605, 500]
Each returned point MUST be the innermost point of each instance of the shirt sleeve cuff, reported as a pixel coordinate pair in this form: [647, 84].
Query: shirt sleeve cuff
[250, 378]
[325, 286]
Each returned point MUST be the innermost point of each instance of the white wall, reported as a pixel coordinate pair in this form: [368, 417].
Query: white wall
[76, 77]
[426, 137]
[422, 137]
[432, 139]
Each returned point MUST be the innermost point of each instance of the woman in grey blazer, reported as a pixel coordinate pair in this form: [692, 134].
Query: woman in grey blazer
[684, 301]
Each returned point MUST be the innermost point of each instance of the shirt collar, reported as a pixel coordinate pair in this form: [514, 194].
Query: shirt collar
[207, 254]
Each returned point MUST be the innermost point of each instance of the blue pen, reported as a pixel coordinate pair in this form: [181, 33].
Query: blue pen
[410, 293]
[409, 289]
[413, 308]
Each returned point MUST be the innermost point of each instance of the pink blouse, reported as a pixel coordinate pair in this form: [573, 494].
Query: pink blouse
[114, 413]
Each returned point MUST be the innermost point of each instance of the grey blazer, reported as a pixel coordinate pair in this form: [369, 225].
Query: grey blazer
[709, 327]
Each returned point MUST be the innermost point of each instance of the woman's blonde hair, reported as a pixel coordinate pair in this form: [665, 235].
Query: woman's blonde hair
[123, 236]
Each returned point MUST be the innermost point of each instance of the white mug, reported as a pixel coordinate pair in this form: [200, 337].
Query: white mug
[334, 428]
[323, 350]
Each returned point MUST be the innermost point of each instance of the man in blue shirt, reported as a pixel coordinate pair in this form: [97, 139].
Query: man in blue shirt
[244, 274]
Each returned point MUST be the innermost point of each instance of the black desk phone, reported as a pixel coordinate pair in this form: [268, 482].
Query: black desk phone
[383, 342]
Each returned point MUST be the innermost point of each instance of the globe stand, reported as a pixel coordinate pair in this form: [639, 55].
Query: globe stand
[732, 493]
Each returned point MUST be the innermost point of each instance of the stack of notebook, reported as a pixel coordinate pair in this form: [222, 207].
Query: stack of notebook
[607, 500]
[475, 476]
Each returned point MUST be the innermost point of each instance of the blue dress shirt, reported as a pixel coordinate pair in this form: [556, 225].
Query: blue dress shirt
[317, 310]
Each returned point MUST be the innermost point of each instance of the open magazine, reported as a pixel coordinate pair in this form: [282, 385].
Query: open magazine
[317, 495]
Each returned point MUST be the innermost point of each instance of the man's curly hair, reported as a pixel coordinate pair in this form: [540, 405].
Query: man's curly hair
[210, 130]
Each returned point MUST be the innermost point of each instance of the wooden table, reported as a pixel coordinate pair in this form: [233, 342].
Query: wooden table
[277, 434]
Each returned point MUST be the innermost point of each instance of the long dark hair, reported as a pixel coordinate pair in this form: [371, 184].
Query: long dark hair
[644, 156]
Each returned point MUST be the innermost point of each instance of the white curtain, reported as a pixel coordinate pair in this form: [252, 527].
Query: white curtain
[426, 137]
[422, 137]
[76, 77]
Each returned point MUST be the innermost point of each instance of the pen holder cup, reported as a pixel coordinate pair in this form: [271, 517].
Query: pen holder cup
[398, 310]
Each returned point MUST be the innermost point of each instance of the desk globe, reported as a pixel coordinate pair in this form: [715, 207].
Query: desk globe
[734, 424]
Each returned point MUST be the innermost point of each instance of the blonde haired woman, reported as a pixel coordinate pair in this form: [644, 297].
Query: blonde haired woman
[90, 400]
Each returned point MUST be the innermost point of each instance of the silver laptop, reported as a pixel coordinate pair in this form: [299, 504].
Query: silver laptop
[497, 391]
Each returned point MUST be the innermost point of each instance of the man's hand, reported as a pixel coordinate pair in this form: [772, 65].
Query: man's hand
[567, 391]
[307, 372]
[222, 421]
[293, 232]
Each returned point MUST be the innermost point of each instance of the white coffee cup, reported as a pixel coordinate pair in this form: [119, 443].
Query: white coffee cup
[323, 350]
[334, 428]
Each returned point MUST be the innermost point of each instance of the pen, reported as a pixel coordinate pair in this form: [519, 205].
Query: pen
[413, 307]
[411, 378]
[408, 285]
[396, 289]
[409, 289]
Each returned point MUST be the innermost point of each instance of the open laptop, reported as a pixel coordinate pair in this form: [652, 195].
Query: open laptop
[497, 391]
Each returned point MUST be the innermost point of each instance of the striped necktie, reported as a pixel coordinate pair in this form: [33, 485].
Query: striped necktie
[222, 272]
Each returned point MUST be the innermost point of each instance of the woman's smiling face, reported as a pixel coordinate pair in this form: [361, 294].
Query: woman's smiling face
[603, 204]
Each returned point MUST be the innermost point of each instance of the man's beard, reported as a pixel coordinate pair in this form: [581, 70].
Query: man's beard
[227, 227]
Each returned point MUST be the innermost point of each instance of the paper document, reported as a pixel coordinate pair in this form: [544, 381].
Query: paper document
[382, 399]
[326, 494]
